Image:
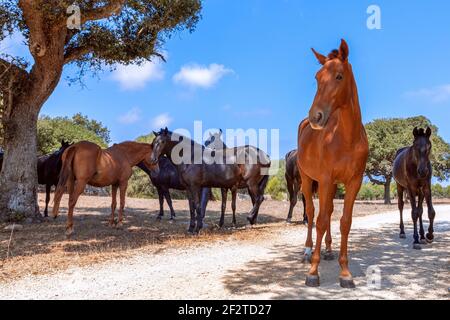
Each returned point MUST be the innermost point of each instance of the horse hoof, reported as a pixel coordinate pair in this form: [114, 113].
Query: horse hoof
[347, 283]
[402, 236]
[429, 238]
[69, 232]
[417, 246]
[306, 259]
[251, 220]
[289, 220]
[423, 241]
[159, 218]
[328, 256]
[312, 281]
[119, 225]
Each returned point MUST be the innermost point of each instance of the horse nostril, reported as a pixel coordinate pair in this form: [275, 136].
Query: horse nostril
[319, 117]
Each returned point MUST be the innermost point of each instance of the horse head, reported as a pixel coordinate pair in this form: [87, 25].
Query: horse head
[334, 83]
[422, 150]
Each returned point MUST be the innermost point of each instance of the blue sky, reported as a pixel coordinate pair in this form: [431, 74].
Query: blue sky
[249, 65]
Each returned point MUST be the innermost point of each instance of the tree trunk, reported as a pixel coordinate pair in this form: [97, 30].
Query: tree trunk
[18, 179]
[387, 191]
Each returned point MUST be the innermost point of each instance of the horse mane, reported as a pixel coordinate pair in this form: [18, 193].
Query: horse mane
[421, 132]
[333, 54]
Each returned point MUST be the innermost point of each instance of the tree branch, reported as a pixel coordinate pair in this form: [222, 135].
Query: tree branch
[375, 181]
[104, 12]
[73, 54]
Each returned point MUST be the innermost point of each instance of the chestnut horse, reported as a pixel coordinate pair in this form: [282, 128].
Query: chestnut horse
[333, 148]
[86, 163]
[412, 172]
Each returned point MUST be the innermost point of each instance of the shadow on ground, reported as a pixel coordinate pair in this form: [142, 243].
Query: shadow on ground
[406, 273]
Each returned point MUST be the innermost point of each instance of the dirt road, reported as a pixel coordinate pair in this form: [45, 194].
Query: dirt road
[267, 269]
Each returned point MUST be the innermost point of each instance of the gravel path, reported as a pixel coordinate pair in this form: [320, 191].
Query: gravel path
[269, 269]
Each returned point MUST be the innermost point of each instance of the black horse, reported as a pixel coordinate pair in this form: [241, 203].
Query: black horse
[164, 179]
[215, 142]
[412, 172]
[48, 169]
[201, 167]
[294, 183]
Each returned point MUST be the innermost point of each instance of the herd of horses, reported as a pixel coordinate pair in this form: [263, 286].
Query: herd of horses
[332, 148]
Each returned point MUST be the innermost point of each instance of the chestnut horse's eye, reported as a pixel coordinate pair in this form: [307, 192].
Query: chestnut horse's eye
[339, 77]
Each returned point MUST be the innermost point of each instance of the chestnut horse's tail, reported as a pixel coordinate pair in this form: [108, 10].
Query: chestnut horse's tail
[65, 174]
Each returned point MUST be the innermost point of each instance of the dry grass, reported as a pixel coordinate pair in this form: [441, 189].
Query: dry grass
[43, 248]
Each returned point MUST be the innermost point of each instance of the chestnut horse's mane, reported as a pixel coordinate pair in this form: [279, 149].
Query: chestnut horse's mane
[333, 54]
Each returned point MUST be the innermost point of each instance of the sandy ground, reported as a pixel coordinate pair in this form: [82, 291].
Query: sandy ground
[266, 268]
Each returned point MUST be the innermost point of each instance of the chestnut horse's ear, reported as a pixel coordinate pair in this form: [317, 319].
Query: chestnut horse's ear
[416, 132]
[428, 132]
[344, 51]
[322, 59]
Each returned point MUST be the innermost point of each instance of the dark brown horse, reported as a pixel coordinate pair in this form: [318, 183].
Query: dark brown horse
[333, 148]
[294, 183]
[201, 168]
[86, 163]
[413, 172]
[48, 169]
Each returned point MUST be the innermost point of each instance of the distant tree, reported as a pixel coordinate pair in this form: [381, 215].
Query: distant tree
[386, 136]
[52, 130]
[276, 187]
[94, 35]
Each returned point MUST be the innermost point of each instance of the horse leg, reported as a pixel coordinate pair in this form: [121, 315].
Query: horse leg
[305, 216]
[201, 197]
[401, 204]
[123, 193]
[192, 212]
[169, 202]
[161, 203]
[293, 194]
[307, 192]
[420, 213]
[78, 189]
[328, 255]
[113, 204]
[431, 213]
[415, 217]
[257, 189]
[351, 192]
[233, 204]
[48, 189]
[224, 192]
[326, 196]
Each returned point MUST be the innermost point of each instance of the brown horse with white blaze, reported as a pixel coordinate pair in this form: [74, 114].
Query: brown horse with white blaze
[85, 163]
[333, 148]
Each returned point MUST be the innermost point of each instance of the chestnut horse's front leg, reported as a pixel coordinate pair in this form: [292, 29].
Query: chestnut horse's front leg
[351, 191]
[123, 193]
[326, 196]
[328, 255]
[307, 190]
[113, 204]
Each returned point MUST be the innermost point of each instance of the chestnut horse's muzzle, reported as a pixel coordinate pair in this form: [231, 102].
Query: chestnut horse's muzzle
[318, 119]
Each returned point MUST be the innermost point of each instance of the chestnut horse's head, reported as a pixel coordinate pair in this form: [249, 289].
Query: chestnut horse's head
[334, 83]
[421, 151]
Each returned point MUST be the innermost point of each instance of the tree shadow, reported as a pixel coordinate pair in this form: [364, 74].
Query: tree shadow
[405, 272]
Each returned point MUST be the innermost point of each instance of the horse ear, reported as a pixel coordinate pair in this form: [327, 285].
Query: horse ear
[428, 132]
[322, 59]
[166, 130]
[221, 132]
[344, 51]
[416, 132]
[155, 133]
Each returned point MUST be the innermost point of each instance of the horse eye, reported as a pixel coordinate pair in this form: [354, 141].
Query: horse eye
[339, 77]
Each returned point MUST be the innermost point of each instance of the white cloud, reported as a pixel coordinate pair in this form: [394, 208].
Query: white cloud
[134, 77]
[201, 76]
[437, 94]
[161, 121]
[131, 116]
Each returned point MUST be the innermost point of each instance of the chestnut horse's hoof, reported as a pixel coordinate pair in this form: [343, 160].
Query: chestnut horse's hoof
[417, 246]
[347, 283]
[402, 236]
[328, 256]
[429, 238]
[69, 232]
[312, 281]
[119, 225]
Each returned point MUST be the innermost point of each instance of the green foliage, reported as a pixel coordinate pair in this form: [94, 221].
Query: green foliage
[276, 187]
[78, 128]
[440, 191]
[370, 191]
[386, 136]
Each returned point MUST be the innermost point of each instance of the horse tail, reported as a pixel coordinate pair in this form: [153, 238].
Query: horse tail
[263, 184]
[64, 176]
